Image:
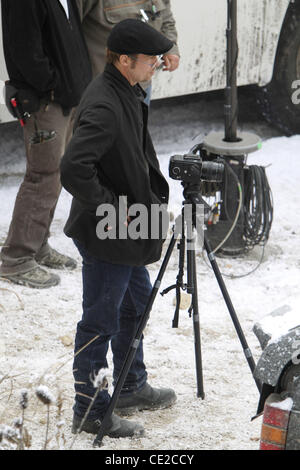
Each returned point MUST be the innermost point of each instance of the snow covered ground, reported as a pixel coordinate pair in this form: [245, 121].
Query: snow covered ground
[38, 326]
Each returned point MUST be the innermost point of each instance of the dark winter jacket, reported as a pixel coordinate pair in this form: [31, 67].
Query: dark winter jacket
[111, 154]
[44, 50]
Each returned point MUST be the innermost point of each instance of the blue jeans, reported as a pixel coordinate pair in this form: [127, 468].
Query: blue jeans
[114, 298]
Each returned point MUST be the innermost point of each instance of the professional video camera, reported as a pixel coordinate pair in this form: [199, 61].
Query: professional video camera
[200, 175]
[191, 168]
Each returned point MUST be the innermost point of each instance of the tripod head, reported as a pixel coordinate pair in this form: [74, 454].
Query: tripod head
[192, 195]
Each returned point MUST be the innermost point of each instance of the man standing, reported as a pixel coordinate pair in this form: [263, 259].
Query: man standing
[49, 68]
[110, 157]
[99, 17]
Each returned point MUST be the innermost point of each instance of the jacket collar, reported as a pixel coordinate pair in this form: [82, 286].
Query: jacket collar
[111, 71]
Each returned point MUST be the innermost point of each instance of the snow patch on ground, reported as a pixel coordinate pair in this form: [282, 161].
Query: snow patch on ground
[34, 321]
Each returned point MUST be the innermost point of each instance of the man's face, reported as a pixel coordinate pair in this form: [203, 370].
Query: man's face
[143, 67]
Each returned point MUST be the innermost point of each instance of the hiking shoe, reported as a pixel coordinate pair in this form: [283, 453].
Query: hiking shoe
[55, 260]
[118, 427]
[37, 278]
[148, 398]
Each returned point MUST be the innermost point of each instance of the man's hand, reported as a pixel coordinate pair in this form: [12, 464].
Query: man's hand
[127, 222]
[171, 62]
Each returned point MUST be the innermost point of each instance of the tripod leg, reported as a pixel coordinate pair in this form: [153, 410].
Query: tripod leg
[231, 310]
[133, 347]
[192, 284]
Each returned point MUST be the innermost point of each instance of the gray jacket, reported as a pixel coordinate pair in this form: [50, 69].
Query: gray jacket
[99, 17]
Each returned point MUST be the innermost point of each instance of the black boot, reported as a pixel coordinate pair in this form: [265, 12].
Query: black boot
[148, 398]
[118, 427]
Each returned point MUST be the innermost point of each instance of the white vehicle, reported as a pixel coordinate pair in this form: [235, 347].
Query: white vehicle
[269, 54]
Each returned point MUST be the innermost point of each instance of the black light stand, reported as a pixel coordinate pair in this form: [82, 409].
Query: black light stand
[231, 97]
[232, 147]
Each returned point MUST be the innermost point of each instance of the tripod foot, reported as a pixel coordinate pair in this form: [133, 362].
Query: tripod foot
[97, 442]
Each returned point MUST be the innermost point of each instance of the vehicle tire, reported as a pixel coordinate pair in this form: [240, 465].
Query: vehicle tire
[288, 379]
[290, 384]
[279, 101]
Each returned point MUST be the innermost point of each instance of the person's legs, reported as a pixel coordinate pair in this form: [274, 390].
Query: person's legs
[104, 287]
[114, 298]
[38, 194]
[136, 394]
[131, 310]
[46, 254]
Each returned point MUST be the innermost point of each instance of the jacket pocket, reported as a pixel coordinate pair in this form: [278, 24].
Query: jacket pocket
[118, 10]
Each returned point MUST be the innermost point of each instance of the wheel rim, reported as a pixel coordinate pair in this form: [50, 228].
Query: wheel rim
[287, 379]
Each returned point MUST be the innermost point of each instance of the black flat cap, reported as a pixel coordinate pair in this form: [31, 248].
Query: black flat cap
[136, 37]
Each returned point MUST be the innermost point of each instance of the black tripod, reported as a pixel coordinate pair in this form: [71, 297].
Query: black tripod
[190, 199]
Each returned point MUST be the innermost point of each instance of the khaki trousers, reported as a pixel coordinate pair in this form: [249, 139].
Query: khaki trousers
[38, 194]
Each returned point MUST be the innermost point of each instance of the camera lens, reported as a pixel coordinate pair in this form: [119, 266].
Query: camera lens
[212, 171]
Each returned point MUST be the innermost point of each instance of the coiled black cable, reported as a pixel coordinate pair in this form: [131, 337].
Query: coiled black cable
[258, 213]
[258, 207]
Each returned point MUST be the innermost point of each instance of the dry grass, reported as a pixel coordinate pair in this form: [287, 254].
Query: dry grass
[25, 407]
